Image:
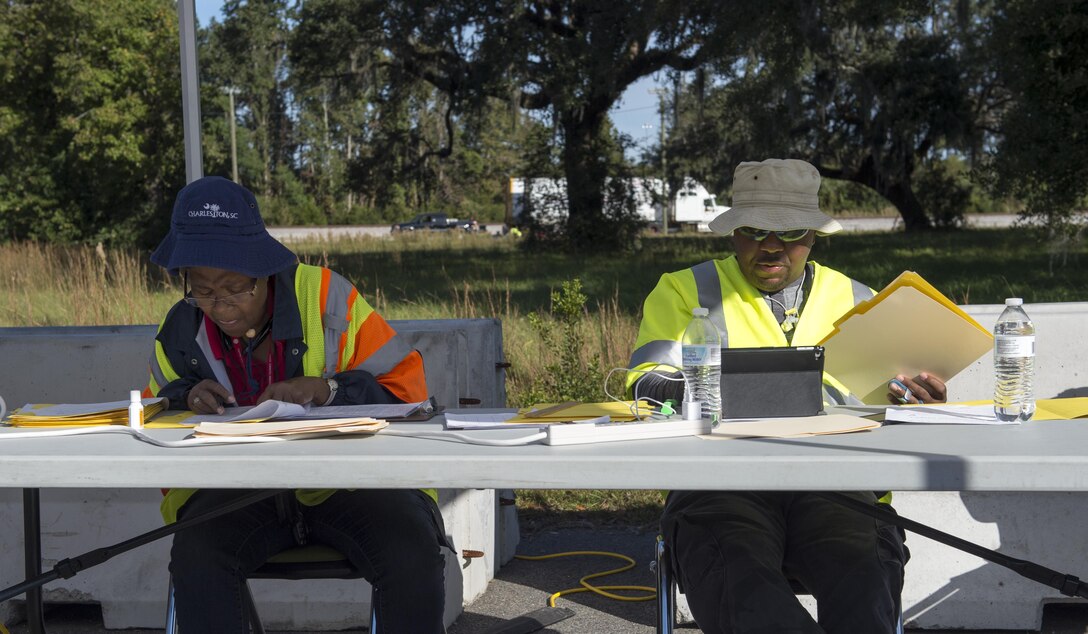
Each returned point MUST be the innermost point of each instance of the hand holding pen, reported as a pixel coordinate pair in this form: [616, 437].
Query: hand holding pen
[209, 397]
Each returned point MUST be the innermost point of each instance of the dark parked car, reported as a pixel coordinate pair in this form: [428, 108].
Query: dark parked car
[437, 221]
[426, 221]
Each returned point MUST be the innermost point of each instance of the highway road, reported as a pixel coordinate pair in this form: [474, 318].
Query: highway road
[854, 225]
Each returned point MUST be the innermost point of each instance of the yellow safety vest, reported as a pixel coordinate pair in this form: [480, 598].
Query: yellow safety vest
[342, 332]
[740, 312]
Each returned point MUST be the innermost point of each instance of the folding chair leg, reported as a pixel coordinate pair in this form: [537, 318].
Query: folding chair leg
[171, 609]
[373, 610]
[666, 591]
[251, 610]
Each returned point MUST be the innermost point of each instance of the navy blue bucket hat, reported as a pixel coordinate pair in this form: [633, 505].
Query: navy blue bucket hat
[216, 223]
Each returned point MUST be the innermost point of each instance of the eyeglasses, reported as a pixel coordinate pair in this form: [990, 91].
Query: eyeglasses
[206, 303]
[759, 235]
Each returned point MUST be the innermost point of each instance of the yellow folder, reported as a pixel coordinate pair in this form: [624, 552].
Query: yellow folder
[545, 413]
[80, 414]
[907, 328]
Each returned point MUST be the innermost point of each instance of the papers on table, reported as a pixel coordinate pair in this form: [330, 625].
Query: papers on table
[280, 410]
[80, 414]
[791, 427]
[907, 328]
[945, 415]
[307, 428]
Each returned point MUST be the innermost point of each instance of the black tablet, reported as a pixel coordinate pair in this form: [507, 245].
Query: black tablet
[772, 382]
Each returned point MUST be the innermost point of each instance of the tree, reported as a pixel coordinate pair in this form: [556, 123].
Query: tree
[248, 51]
[869, 92]
[570, 60]
[90, 121]
[1041, 54]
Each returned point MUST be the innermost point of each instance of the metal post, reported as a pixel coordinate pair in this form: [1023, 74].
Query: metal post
[231, 91]
[32, 552]
[665, 176]
[666, 191]
[190, 90]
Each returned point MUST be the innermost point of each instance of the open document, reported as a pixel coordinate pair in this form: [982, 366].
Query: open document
[281, 410]
[907, 328]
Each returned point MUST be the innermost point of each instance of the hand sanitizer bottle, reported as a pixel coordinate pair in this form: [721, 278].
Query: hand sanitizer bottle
[135, 410]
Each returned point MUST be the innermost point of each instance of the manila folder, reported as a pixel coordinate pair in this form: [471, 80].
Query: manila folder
[905, 332]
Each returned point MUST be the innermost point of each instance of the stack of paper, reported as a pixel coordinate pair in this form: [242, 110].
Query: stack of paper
[907, 328]
[301, 428]
[81, 414]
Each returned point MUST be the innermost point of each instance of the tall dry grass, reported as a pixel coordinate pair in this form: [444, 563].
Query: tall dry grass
[49, 285]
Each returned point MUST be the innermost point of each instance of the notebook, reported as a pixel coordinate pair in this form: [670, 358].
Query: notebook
[772, 382]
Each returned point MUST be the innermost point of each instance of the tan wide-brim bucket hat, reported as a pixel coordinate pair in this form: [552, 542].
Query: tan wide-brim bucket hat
[775, 195]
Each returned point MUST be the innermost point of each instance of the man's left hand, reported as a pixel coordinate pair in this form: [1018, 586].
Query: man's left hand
[301, 390]
[924, 388]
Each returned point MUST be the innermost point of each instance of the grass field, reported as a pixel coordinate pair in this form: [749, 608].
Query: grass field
[464, 276]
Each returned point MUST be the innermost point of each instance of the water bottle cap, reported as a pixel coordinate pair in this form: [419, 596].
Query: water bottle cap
[134, 396]
[699, 311]
[1014, 301]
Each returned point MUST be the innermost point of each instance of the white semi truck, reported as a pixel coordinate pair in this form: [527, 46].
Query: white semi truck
[692, 208]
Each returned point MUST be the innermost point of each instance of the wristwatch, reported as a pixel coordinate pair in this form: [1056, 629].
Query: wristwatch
[333, 386]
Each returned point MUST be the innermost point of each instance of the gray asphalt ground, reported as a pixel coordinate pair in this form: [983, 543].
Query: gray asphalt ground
[523, 587]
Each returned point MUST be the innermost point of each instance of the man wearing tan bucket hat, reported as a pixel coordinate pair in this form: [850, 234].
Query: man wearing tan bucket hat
[734, 552]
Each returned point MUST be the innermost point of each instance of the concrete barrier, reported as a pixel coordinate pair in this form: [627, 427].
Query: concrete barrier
[95, 364]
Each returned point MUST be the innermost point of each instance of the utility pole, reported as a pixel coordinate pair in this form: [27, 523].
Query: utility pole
[665, 189]
[231, 91]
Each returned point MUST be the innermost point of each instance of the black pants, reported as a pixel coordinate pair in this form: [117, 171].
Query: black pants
[734, 551]
[394, 536]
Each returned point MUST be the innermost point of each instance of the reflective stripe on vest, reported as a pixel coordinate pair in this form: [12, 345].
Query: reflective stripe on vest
[162, 372]
[219, 369]
[386, 358]
[335, 318]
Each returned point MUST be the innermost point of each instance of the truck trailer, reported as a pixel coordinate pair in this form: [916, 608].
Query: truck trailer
[691, 207]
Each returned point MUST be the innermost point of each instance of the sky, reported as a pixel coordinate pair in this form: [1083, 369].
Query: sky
[634, 115]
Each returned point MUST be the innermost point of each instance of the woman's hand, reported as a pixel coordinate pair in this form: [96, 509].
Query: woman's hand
[301, 390]
[208, 397]
[924, 388]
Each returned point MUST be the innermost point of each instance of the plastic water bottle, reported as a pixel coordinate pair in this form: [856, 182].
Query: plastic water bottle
[702, 353]
[1014, 363]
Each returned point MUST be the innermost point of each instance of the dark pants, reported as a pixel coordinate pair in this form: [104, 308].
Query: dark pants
[394, 536]
[733, 553]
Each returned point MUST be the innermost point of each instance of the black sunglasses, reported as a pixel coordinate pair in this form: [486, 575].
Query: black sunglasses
[759, 235]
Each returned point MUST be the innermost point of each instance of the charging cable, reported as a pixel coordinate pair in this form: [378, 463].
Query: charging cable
[666, 409]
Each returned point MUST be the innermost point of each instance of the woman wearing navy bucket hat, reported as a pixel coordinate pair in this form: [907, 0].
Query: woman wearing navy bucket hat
[255, 324]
